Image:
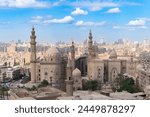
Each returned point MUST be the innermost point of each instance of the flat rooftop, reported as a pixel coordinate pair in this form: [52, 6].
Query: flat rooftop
[126, 96]
[86, 95]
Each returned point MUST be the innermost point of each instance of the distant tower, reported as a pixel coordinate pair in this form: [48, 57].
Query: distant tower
[73, 55]
[33, 56]
[69, 81]
[90, 42]
[131, 58]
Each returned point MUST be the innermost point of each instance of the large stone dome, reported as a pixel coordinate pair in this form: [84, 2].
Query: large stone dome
[53, 51]
[113, 54]
[76, 73]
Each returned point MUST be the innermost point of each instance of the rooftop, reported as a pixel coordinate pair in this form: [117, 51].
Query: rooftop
[86, 95]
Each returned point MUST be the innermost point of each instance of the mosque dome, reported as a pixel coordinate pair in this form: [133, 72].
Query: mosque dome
[53, 51]
[113, 54]
[76, 72]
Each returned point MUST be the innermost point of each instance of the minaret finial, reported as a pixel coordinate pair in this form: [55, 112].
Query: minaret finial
[32, 27]
[33, 36]
[72, 43]
[90, 35]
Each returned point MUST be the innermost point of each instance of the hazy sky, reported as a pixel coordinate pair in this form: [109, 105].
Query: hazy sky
[65, 20]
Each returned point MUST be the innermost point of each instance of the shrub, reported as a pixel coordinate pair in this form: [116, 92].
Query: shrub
[44, 83]
[90, 85]
[128, 85]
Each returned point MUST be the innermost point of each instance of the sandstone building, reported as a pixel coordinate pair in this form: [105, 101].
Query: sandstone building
[54, 66]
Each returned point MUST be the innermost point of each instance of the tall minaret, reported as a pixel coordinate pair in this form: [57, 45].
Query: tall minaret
[90, 42]
[33, 56]
[69, 69]
[73, 56]
[69, 80]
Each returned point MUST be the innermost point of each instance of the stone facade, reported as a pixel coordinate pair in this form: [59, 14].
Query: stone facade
[143, 79]
[106, 70]
[54, 68]
[96, 69]
[51, 68]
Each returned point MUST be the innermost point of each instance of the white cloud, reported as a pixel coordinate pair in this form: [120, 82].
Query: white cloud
[82, 23]
[50, 20]
[66, 19]
[79, 11]
[25, 3]
[137, 22]
[95, 5]
[129, 3]
[36, 19]
[114, 10]
[117, 27]
[144, 18]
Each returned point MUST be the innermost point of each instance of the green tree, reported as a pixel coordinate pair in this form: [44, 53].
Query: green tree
[91, 85]
[44, 83]
[129, 85]
[34, 88]
[3, 91]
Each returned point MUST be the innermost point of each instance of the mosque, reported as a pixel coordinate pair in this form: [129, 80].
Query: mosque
[106, 70]
[61, 71]
[54, 67]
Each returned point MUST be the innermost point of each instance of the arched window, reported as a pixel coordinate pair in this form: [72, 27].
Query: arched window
[99, 72]
[114, 74]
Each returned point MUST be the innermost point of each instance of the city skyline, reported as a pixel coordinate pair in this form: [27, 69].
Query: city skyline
[62, 20]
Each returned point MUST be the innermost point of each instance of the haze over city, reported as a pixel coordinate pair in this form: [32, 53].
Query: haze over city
[63, 20]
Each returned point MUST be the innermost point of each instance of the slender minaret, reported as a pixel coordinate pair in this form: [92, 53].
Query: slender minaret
[90, 42]
[73, 56]
[69, 69]
[33, 56]
[69, 80]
